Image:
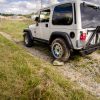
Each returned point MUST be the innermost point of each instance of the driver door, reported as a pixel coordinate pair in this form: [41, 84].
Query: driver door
[43, 27]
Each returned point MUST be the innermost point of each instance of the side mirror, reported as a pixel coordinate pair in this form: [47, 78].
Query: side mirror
[37, 19]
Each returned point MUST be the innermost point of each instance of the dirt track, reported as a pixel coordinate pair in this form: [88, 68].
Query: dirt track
[82, 75]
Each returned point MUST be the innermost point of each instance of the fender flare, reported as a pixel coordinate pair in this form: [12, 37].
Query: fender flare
[28, 32]
[62, 35]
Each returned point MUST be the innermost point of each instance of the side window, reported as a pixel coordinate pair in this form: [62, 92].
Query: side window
[45, 16]
[63, 14]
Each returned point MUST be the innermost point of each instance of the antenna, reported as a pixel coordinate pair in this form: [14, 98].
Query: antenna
[98, 2]
[38, 4]
[41, 3]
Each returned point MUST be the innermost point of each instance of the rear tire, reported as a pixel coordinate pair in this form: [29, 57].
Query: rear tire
[28, 42]
[60, 50]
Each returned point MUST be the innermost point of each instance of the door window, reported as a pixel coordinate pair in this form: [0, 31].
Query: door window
[90, 16]
[45, 16]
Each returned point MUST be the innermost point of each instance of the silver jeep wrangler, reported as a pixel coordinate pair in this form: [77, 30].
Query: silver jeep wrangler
[65, 27]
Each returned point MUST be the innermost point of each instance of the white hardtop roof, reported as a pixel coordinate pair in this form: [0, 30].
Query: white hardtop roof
[71, 1]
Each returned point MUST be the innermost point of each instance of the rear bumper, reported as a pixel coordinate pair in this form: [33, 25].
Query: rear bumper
[90, 49]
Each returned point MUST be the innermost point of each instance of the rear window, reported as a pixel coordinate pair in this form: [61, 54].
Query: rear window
[90, 16]
[63, 14]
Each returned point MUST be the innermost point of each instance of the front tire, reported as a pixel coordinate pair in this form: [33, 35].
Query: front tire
[60, 50]
[28, 42]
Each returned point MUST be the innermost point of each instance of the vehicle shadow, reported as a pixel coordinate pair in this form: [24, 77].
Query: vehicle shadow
[43, 51]
[39, 50]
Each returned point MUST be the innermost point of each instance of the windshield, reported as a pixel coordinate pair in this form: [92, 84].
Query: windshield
[90, 16]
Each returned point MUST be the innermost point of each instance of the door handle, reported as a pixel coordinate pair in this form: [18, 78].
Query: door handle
[46, 25]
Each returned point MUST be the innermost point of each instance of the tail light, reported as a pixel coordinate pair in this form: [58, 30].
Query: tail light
[83, 36]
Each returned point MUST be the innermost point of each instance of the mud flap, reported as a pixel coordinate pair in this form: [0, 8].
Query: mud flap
[89, 48]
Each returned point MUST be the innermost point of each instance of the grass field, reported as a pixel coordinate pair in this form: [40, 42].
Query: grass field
[26, 77]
